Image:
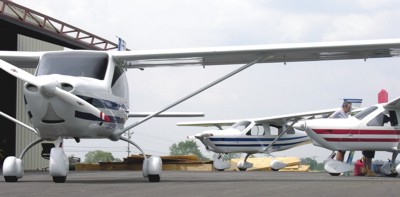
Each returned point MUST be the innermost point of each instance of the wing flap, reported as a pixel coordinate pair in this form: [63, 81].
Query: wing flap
[284, 119]
[211, 123]
[166, 114]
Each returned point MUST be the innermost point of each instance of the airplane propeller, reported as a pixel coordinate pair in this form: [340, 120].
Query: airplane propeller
[51, 87]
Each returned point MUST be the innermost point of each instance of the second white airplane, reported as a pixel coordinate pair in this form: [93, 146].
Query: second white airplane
[257, 135]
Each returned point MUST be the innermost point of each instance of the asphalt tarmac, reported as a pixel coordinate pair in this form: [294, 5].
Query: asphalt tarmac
[218, 184]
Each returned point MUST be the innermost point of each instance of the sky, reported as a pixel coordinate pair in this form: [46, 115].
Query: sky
[259, 91]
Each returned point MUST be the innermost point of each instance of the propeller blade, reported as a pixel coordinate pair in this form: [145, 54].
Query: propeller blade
[18, 73]
[80, 103]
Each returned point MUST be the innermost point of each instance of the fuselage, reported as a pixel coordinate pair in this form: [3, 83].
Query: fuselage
[251, 138]
[92, 76]
[375, 128]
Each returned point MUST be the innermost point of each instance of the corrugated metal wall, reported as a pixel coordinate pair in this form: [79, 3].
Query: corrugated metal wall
[33, 159]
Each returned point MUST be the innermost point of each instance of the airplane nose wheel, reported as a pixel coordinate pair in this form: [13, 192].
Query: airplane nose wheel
[59, 164]
[154, 178]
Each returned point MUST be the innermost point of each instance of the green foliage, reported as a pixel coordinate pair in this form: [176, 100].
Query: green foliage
[229, 156]
[98, 156]
[186, 148]
[314, 165]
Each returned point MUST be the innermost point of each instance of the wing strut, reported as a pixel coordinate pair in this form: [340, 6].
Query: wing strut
[18, 122]
[263, 58]
[280, 135]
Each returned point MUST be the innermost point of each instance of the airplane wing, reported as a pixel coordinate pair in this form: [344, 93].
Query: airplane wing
[275, 120]
[265, 53]
[395, 103]
[318, 51]
[21, 58]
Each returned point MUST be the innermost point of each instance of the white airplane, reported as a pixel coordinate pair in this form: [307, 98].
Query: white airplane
[256, 135]
[84, 94]
[376, 128]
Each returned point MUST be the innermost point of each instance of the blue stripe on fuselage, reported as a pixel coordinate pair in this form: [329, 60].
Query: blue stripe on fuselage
[256, 145]
[101, 103]
[217, 139]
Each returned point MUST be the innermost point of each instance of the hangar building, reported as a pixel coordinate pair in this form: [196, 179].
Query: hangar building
[23, 29]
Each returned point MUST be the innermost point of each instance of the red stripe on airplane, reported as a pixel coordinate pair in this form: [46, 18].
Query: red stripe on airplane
[361, 140]
[357, 132]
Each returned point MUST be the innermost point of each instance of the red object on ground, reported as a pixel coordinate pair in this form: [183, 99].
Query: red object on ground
[357, 168]
[383, 96]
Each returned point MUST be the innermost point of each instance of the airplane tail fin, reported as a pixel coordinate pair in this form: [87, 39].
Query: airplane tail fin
[383, 96]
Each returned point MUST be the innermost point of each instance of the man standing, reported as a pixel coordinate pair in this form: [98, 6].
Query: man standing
[342, 113]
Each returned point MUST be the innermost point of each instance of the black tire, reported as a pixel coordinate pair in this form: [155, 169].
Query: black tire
[10, 179]
[393, 174]
[275, 170]
[335, 174]
[242, 169]
[220, 170]
[154, 178]
[59, 179]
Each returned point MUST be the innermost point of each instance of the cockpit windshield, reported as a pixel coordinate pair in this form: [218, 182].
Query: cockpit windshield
[241, 125]
[80, 64]
[364, 113]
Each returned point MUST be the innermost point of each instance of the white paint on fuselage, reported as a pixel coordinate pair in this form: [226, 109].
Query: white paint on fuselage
[38, 106]
[353, 134]
[233, 141]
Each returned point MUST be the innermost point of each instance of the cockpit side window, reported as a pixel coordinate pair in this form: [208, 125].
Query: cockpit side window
[393, 118]
[364, 113]
[290, 131]
[118, 71]
[275, 130]
[256, 130]
[386, 118]
[119, 83]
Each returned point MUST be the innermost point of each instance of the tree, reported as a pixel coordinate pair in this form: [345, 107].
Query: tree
[186, 148]
[98, 156]
[229, 156]
[309, 161]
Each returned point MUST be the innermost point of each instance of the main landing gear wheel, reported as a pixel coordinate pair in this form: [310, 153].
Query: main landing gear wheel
[275, 170]
[10, 178]
[242, 169]
[154, 178]
[393, 174]
[59, 179]
[335, 174]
